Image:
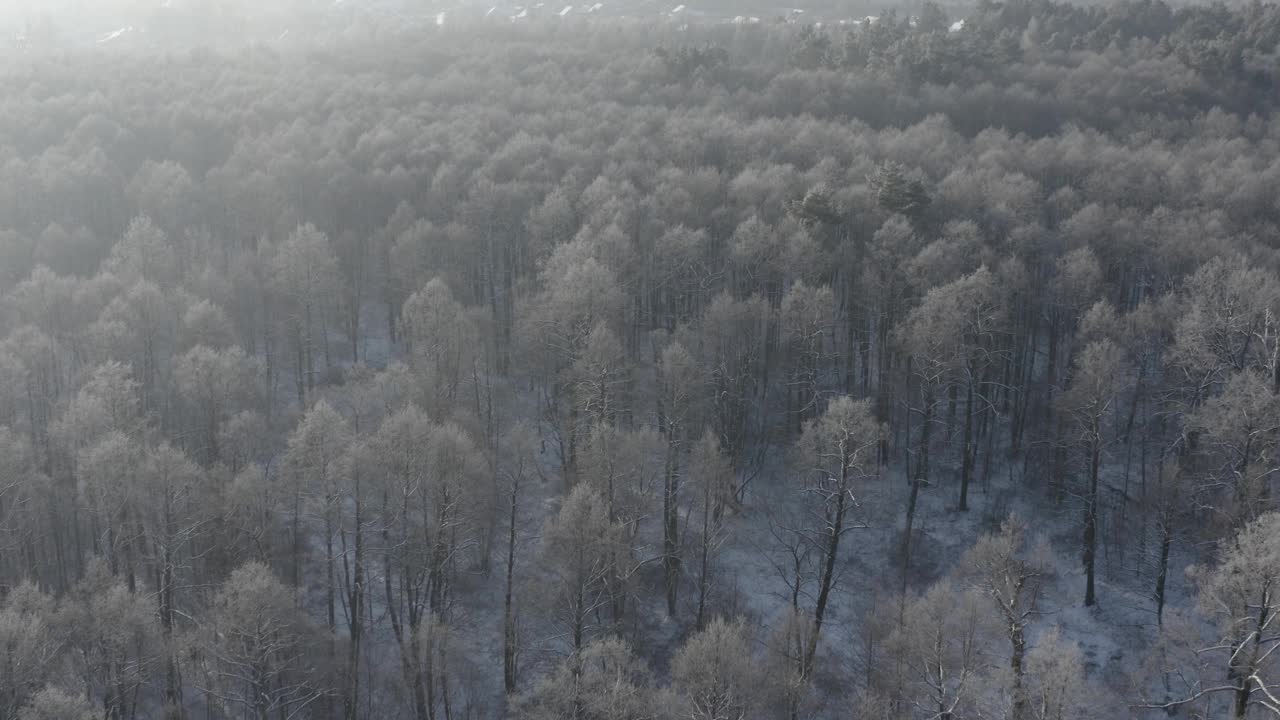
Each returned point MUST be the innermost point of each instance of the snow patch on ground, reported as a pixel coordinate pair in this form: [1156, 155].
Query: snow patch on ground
[752, 567]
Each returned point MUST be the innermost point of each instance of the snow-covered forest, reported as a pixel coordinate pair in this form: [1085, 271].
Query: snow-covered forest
[921, 366]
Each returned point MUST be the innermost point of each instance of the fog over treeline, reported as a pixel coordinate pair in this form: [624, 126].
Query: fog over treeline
[442, 364]
[177, 25]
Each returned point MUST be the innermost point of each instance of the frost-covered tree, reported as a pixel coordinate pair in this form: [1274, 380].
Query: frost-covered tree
[52, 703]
[602, 681]
[258, 651]
[1096, 381]
[305, 278]
[835, 454]
[29, 647]
[940, 644]
[715, 673]
[579, 556]
[1011, 576]
[442, 341]
[711, 480]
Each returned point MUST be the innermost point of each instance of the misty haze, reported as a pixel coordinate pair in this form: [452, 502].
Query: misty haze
[639, 360]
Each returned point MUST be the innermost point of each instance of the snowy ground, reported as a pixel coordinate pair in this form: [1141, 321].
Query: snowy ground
[1112, 635]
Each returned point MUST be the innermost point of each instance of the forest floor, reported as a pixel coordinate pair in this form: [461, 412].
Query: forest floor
[753, 574]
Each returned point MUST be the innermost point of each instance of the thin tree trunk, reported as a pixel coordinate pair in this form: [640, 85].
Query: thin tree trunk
[1019, 642]
[508, 613]
[704, 579]
[1091, 514]
[906, 539]
[670, 530]
[966, 462]
[352, 701]
[835, 529]
[921, 478]
[1162, 570]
